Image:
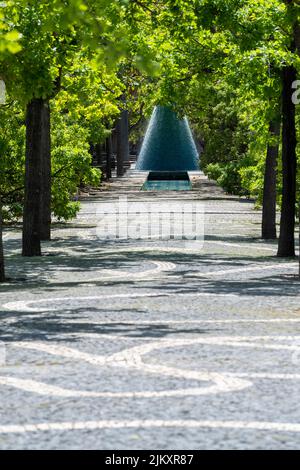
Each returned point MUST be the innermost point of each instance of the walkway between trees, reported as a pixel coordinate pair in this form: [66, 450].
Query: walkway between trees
[151, 344]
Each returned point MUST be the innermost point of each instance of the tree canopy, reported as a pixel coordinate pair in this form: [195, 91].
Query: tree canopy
[226, 64]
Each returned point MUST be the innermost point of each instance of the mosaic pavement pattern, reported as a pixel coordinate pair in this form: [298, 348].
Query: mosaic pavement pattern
[143, 344]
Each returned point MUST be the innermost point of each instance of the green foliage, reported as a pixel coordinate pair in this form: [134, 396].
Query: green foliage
[71, 163]
[228, 176]
[9, 37]
[71, 166]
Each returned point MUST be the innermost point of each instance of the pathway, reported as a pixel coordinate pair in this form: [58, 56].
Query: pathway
[151, 344]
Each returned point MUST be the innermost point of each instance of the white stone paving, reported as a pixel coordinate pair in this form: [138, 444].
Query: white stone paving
[145, 345]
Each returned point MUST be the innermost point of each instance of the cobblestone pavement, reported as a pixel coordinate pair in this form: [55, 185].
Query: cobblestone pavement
[151, 344]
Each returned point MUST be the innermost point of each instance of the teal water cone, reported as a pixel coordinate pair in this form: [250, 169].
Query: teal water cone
[168, 145]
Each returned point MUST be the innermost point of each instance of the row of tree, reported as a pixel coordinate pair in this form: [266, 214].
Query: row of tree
[62, 64]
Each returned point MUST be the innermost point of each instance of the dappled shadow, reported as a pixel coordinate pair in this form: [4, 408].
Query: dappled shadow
[242, 239]
[72, 261]
[57, 327]
[87, 257]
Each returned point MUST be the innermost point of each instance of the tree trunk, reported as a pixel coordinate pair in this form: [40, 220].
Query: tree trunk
[108, 157]
[286, 246]
[270, 184]
[2, 269]
[45, 199]
[33, 172]
[122, 130]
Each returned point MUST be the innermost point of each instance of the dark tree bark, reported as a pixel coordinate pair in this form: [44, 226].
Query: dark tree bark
[122, 131]
[33, 172]
[98, 151]
[45, 199]
[286, 246]
[108, 157]
[2, 269]
[270, 184]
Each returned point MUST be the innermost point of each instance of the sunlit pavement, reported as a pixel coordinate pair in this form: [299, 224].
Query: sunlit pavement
[151, 344]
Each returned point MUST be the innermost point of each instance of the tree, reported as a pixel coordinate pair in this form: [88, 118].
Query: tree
[122, 131]
[269, 230]
[33, 76]
[108, 146]
[236, 39]
[8, 45]
[286, 246]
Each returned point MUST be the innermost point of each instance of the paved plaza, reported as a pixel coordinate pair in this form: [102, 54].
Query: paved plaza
[151, 344]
